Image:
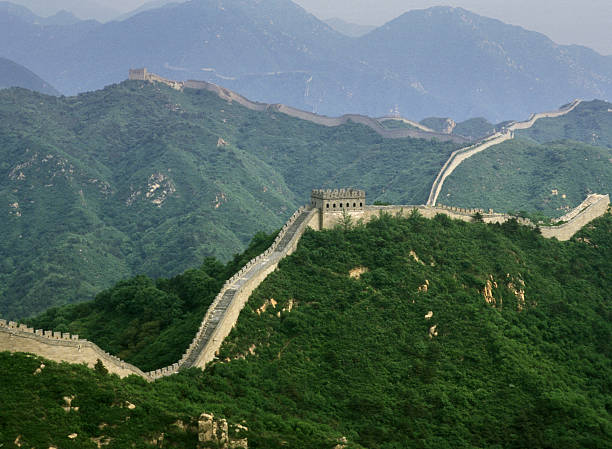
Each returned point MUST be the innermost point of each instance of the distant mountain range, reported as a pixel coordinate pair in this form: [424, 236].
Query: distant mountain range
[15, 75]
[437, 62]
[349, 29]
[85, 9]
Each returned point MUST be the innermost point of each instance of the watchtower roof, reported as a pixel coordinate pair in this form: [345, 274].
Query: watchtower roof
[328, 194]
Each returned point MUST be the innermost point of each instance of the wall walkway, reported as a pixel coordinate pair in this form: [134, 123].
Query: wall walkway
[457, 157]
[223, 313]
[218, 322]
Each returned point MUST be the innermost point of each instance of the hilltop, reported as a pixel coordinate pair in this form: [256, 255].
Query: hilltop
[394, 333]
[437, 62]
[15, 75]
[140, 178]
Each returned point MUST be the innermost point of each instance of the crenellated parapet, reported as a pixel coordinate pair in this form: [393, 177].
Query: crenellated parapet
[61, 347]
[223, 313]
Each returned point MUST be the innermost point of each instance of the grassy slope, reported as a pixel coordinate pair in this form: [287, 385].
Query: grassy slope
[590, 122]
[522, 175]
[353, 356]
[81, 180]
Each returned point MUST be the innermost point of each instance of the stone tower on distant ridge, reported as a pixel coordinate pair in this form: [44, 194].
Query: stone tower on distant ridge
[138, 74]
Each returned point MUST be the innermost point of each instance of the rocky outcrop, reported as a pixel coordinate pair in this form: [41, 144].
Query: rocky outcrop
[215, 433]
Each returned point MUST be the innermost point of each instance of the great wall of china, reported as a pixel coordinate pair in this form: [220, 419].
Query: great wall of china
[326, 209]
[418, 132]
[457, 157]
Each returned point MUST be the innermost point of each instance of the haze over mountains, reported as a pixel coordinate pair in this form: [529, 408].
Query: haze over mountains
[441, 61]
[15, 75]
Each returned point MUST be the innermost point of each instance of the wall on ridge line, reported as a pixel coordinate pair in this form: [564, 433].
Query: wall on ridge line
[567, 230]
[64, 350]
[592, 208]
[229, 319]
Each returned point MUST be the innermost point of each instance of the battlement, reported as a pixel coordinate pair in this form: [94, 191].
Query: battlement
[338, 200]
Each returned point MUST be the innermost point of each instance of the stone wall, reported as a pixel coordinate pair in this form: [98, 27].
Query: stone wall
[457, 157]
[595, 208]
[61, 347]
[322, 120]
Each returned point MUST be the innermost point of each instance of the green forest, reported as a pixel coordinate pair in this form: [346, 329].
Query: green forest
[141, 179]
[400, 333]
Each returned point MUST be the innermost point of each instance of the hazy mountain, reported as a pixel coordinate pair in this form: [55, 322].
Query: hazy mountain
[84, 9]
[349, 29]
[441, 61]
[15, 75]
[155, 4]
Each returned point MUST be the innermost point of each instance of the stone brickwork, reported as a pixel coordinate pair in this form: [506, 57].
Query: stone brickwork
[223, 313]
[61, 347]
[457, 157]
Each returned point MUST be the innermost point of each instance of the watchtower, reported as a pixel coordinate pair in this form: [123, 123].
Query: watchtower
[333, 204]
[138, 74]
[338, 200]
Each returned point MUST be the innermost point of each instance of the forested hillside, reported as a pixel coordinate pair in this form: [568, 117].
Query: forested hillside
[142, 179]
[408, 333]
[547, 169]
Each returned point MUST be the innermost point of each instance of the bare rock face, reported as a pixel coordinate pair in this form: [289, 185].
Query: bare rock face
[215, 433]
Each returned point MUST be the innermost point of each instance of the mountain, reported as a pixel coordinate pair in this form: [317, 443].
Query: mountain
[14, 75]
[436, 62]
[155, 4]
[349, 29]
[400, 333]
[548, 168]
[84, 9]
[140, 178]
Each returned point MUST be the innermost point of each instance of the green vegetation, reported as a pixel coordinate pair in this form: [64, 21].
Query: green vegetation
[474, 128]
[543, 179]
[142, 179]
[590, 122]
[145, 322]
[397, 124]
[520, 355]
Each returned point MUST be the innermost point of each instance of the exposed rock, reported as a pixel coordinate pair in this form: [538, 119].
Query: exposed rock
[488, 292]
[221, 142]
[429, 315]
[101, 441]
[215, 433]
[68, 407]
[425, 287]
[72, 436]
[416, 258]
[517, 286]
[356, 272]
[433, 332]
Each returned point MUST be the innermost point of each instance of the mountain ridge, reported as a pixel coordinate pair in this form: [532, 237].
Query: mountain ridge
[297, 60]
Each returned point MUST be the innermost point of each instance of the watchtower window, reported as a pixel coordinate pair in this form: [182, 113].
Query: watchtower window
[340, 204]
[327, 205]
[360, 204]
[334, 205]
[354, 205]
